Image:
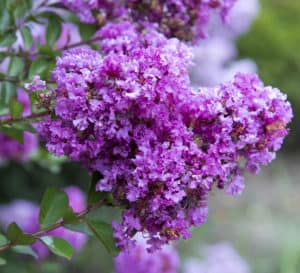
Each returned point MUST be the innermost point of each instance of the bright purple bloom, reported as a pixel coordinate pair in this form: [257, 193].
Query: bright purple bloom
[186, 20]
[161, 146]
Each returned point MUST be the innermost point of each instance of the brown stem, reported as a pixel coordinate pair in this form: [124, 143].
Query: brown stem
[20, 119]
[61, 223]
[88, 42]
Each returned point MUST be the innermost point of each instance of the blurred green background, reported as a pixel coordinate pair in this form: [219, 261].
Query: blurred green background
[263, 224]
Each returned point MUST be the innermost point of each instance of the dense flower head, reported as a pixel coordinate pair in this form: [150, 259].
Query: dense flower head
[218, 258]
[26, 213]
[132, 115]
[106, 9]
[184, 19]
[11, 149]
[139, 260]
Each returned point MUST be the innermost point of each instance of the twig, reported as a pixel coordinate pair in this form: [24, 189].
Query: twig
[20, 119]
[61, 223]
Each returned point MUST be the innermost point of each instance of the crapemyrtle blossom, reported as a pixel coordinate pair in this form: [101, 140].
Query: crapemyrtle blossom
[25, 214]
[131, 114]
[139, 260]
[106, 9]
[11, 149]
[218, 258]
[184, 19]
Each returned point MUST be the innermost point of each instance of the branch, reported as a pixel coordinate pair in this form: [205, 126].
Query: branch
[61, 223]
[20, 119]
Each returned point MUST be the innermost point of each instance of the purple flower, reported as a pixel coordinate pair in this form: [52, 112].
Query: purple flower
[36, 84]
[186, 20]
[132, 115]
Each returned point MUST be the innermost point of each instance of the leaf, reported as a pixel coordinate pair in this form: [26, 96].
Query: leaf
[27, 37]
[24, 127]
[70, 217]
[16, 235]
[4, 20]
[25, 250]
[2, 261]
[53, 30]
[15, 108]
[3, 240]
[81, 227]
[8, 39]
[58, 246]
[9, 90]
[54, 206]
[38, 67]
[16, 66]
[86, 31]
[93, 195]
[104, 233]
[14, 133]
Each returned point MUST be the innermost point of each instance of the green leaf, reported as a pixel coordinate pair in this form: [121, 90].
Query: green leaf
[16, 66]
[81, 227]
[3, 240]
[53, 30]
[104, 233]
[70, 217]
[9, 90]
[87, 31]
[93, 195]
[38, 67]
[20, 10]
[15, 108]
[58, 246]
[8, 39]
[27, 37]
[54, 206]
[2, 261]
[12, 132]
[25, 250]
[24, 127]
[16, 235]
[4, 20]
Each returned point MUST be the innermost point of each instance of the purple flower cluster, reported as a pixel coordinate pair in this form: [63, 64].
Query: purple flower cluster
[219, 258]
[132, 115]
[25, 214]
[139, 260]
[84, 8]
[11, 149]
[184, 19]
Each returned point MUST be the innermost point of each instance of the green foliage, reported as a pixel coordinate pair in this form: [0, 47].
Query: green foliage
[24, 250]
[54, 206]
[53, 30]
[16, 235]
[16, 66]
[104, 233]
[38, 67]
[27, 37]
[58, 246]
[15, 108]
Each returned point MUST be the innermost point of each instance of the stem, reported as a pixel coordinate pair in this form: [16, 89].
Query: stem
[20, 119]
[88, 42]
[61, 223]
